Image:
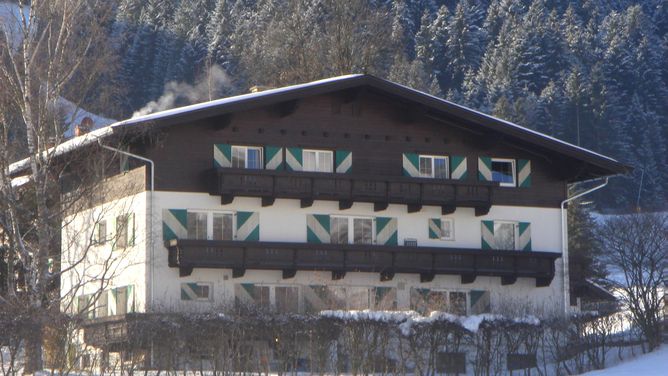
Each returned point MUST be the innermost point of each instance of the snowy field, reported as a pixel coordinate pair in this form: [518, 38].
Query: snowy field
[652, 364]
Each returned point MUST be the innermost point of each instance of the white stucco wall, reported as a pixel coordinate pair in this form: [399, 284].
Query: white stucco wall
[286, 221]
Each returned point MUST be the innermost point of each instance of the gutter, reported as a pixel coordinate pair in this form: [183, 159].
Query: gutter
[564, 241]
[149, 230]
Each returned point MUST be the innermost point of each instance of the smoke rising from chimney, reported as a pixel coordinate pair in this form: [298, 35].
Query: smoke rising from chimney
[211, 85]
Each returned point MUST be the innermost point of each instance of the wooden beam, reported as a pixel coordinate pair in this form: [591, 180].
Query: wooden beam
[386, 275]
[338, 275]
[508, 280]
[185, 270]
[427, 277]
[226, 199]
[468, 278]
[414, 208]
[238, 272]
[543, 282]
[289, 273]
[482, 210]
[345, 204]
[268, 201]
[448, 209]
[380, 206]
[305, 203]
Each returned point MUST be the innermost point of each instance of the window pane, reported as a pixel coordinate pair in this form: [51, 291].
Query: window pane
[261, 296]
[339, 230]
[197, 225]
[287, 299]
[202, 291]
[446, 228]
[425, 167]
[441, 168]
[358, 298]
[222, 226]
[254, 158]
[363, 233]
[121, 300]
[238, 157]
[502, 171]
[121, 231]
[457, 303]
[309, 160]
[325, 162]
[504, 236]
[102, 232]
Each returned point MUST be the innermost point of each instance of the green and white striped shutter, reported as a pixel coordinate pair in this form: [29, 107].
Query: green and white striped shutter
[243, 294]
[317, 228]
[293, 159]
[131, 299]
[111, 302]
[435, 228]
[188, 291]
[174, 224]
[385, 299]
[344, 162]
[487, 235]
[484, 168]
[273, 158]
[248, 226]
[458, 169]
[386, 231]
[411, 164]
[222, 155]
[315, 298]
[479, 302]
[525, 236]
[523, 173]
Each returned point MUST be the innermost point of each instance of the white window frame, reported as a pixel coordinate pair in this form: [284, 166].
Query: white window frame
[351, 226]
[447, 297]
[433, 170]
[199, 299]
[317, 159]
[452, 228]
[245, 149]
[513, 163]
[516, 227]
[209, 221]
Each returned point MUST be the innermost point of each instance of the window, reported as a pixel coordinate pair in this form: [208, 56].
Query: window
[317, 161]
[425, 301]
[222, 226]
[125, 230]
[432, 166]
[362, 230]
[196, 291]
[84, 306]
[287, 299]
[505, 235]
[448, 229]
[100, 234]
[457, 303]
[122, 299]
[197, 225]
[205, 225]
[247, 157]
[503, 171]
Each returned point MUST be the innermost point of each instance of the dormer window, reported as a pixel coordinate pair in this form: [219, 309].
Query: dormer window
[503, 171]
[434, 166]
[318, 161]
[249, 157]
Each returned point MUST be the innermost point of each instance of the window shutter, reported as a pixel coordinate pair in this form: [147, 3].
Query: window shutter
[317, 228]
[458, 168]
[386, 231]
[188, 291]
[385, 298]
[525, 236]
[435, 228]
[174, 224]
[523, 173]
[273, 158]
[131, 229]
[315, 298]
[293, 159]
[484, 168]
[479, 302]
[222, 155]
[112, 302]
[344, 162]
[131, 299]
[487, 236]
[243, 294]
[411, 164]
[248, 226]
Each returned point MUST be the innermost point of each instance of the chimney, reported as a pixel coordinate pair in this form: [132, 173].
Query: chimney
[259, 88]
[84, 127]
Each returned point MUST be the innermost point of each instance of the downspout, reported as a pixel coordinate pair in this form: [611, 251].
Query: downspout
[564, 241]
[150, 209]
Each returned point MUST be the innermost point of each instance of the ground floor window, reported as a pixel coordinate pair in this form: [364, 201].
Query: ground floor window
[425, 301]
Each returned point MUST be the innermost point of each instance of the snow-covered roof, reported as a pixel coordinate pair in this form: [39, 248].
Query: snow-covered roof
[605, 165]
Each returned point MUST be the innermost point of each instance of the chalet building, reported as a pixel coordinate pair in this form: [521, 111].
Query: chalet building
[346, 193]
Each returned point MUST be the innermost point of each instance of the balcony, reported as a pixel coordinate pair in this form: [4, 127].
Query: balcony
[347, 189]
[340, 259]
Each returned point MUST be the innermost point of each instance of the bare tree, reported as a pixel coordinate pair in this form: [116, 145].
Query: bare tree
[636, 247]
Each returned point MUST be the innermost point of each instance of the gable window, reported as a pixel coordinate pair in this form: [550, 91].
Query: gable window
[249, 157]
[506, 235]
[317, 161]
[125, 225]
[433, 166]
[205, 225]
[362, 230]
[503, 171]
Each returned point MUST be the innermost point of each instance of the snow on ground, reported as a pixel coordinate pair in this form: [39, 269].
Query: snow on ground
[652, 364]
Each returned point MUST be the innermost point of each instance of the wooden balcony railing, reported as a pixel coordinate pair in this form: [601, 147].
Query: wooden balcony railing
[343, 258]
[347, 189]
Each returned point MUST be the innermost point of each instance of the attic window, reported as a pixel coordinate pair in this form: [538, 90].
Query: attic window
[503, 171]
[247, 157]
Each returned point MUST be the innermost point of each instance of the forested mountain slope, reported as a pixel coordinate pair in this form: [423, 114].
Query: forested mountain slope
[592, 72]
